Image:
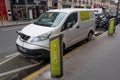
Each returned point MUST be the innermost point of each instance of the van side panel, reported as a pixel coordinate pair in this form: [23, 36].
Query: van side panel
[79, 31]
[87, 23]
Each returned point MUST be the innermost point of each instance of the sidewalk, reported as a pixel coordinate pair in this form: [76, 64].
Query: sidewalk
[15, 23]
[98, 59]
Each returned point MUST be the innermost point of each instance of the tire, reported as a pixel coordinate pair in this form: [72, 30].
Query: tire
[90, 36]
[63, 48]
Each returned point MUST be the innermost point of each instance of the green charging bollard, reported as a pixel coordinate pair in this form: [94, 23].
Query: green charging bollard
[56, 56]
[111, 29]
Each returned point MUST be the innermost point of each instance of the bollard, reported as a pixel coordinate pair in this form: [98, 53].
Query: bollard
[111, 29]
[56, 56]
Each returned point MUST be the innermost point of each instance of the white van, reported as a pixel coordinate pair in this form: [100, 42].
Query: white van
[75, 24]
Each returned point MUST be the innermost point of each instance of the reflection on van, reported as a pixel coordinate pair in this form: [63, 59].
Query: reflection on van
[74, 24]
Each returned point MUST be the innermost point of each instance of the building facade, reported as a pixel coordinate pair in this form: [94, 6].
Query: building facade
[109, 5]
[80, 3]
[31, 9]
[22, 9]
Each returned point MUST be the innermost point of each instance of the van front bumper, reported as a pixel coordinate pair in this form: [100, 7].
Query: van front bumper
[35, 53]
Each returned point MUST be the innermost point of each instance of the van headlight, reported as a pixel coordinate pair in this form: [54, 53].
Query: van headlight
[41, 38]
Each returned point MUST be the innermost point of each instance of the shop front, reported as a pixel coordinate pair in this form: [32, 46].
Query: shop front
[88, 6]
[28, 10]
[55, 4]
[3, 12]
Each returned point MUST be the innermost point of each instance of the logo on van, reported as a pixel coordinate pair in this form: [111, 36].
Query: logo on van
[84, 16]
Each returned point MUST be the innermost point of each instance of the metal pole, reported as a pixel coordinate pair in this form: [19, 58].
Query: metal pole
[37, 9]
[26, 8]
[1, 20]
[117, 8]
[117, 11]
[11, 6]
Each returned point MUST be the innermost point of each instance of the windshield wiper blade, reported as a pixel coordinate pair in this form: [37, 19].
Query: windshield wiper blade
[42, 24]
[39, 24]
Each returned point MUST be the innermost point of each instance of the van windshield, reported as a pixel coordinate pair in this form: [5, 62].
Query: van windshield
[50, 19]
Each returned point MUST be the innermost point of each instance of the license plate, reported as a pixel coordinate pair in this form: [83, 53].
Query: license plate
[22, 49]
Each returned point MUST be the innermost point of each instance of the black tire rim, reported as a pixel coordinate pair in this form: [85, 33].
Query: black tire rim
[90, 36]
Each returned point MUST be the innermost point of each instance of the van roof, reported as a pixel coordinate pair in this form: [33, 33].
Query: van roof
[97, 8]
[68, 10]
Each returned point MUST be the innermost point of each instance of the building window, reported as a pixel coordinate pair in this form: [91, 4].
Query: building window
[30, 1]
[19, 2]
[79, 1]
[70, 0]
[75, 0]
[64, 0]
[87, 2]
[91, 2]
[83, 2]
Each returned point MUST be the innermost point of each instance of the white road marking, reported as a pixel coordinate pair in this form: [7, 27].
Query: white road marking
[17, 70]
[34, 61]
[7, 60]
[8, 29]
[14, 54]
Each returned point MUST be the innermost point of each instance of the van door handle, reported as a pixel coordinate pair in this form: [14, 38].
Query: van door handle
[77, 27]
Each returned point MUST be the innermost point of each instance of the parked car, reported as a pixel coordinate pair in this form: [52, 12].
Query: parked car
[102, 21]
[118, 19]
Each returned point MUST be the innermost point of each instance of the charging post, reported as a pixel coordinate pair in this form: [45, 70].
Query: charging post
[56, 56]
[111, 29]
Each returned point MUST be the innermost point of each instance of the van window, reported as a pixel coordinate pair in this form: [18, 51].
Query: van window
[72, 18]
[50, 19]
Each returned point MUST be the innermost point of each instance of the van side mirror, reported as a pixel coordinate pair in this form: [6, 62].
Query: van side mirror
[69, 25]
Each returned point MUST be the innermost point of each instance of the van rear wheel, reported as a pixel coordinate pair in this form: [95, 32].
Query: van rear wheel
[90, 36]
[63, 48]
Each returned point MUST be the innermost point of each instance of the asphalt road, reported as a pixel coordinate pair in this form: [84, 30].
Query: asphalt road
[8, 38]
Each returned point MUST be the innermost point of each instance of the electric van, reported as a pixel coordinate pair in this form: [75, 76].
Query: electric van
[75, 24]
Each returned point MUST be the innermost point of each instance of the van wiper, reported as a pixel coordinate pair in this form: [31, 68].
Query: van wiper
[39, 24]
[36, 23]
[42, 24]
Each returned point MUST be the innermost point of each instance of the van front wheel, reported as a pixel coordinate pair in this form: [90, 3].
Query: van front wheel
[90, 36]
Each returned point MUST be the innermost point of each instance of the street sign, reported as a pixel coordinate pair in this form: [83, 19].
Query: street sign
[56, 56]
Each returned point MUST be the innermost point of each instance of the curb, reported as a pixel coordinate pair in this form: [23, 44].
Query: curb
[14, 25]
